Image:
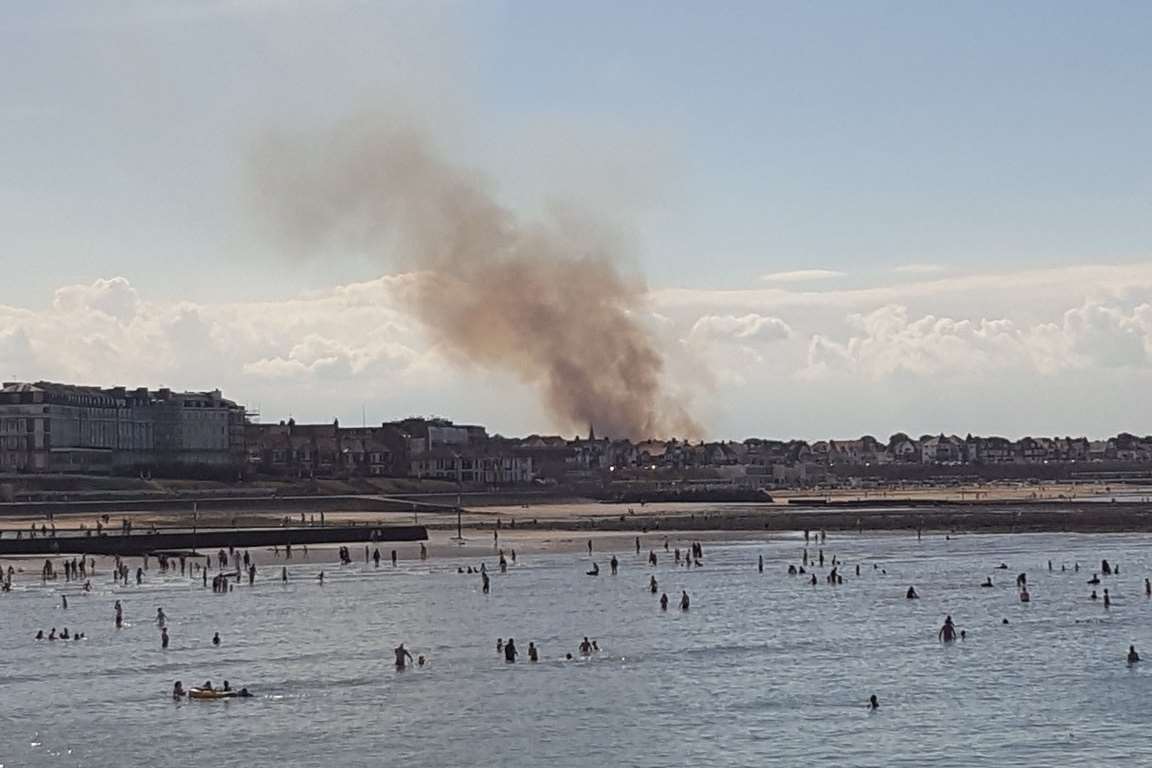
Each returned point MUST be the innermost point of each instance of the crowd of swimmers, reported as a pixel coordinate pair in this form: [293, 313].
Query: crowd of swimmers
[692, 556]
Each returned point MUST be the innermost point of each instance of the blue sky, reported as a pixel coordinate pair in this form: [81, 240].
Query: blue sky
[729, 140]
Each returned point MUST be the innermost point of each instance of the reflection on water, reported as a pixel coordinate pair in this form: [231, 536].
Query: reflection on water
[765, 669]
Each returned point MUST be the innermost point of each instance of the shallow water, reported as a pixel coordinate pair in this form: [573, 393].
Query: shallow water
[765, 669]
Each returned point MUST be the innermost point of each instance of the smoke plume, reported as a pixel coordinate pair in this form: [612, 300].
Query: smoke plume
[544, 300]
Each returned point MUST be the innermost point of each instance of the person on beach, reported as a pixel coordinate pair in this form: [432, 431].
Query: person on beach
[614, 564]
[664, 601]
[393, 558]
[284, 574]
[376, 557]
[589, 546]
[760, 563]
[947, 632]
[484, 582]
[510, 651]
[637, 545]
[684, 601]
[402, 657]
[1133, 657]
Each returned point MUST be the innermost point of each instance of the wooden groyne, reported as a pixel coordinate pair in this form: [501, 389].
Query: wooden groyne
[135, 544]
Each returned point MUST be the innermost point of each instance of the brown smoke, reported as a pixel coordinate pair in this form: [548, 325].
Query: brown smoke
[544, 300]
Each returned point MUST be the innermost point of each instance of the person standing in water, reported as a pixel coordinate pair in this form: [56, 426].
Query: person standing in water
[119, 615]
[614, 564]
[947, 632]
[652, 584]
[873, 702]
[1107, 599]
[664, 601]
[163, 638]
[684, 601]
[532, 654]
[1133, 657]
[760, 563]
[510, 651]
[484, 582]
[402, 657]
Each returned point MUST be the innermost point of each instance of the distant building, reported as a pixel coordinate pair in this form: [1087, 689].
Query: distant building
[49, 427]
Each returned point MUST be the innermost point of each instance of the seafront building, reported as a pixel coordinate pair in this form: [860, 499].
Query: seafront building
[50, 427]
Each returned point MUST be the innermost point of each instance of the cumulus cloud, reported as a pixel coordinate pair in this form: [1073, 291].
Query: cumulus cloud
[115, 298]
[801, 276]
[749, 328]
[881, 359]
[888, 342]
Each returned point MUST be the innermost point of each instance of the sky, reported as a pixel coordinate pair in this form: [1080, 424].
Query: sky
[851, 218]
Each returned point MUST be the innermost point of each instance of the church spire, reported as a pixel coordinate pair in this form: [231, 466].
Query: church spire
[591, 433]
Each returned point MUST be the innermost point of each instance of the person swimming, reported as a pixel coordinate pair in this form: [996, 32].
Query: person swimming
[1094, 580]
[1094, 596]
[947, 632]
[216, 638]
[1025, 597]
[911, 594]
[1133, 657]
[178, 690]
[873, 702]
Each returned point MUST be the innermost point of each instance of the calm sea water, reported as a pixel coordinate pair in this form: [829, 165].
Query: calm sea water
[765, 669]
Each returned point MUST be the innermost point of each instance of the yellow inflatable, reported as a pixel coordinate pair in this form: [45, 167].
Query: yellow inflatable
[204, 693]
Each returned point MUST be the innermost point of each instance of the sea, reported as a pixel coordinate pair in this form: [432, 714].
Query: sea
[764, 669]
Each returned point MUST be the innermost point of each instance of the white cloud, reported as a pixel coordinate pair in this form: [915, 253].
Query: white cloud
[801, 276]
[750, 328]
[918, 269]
